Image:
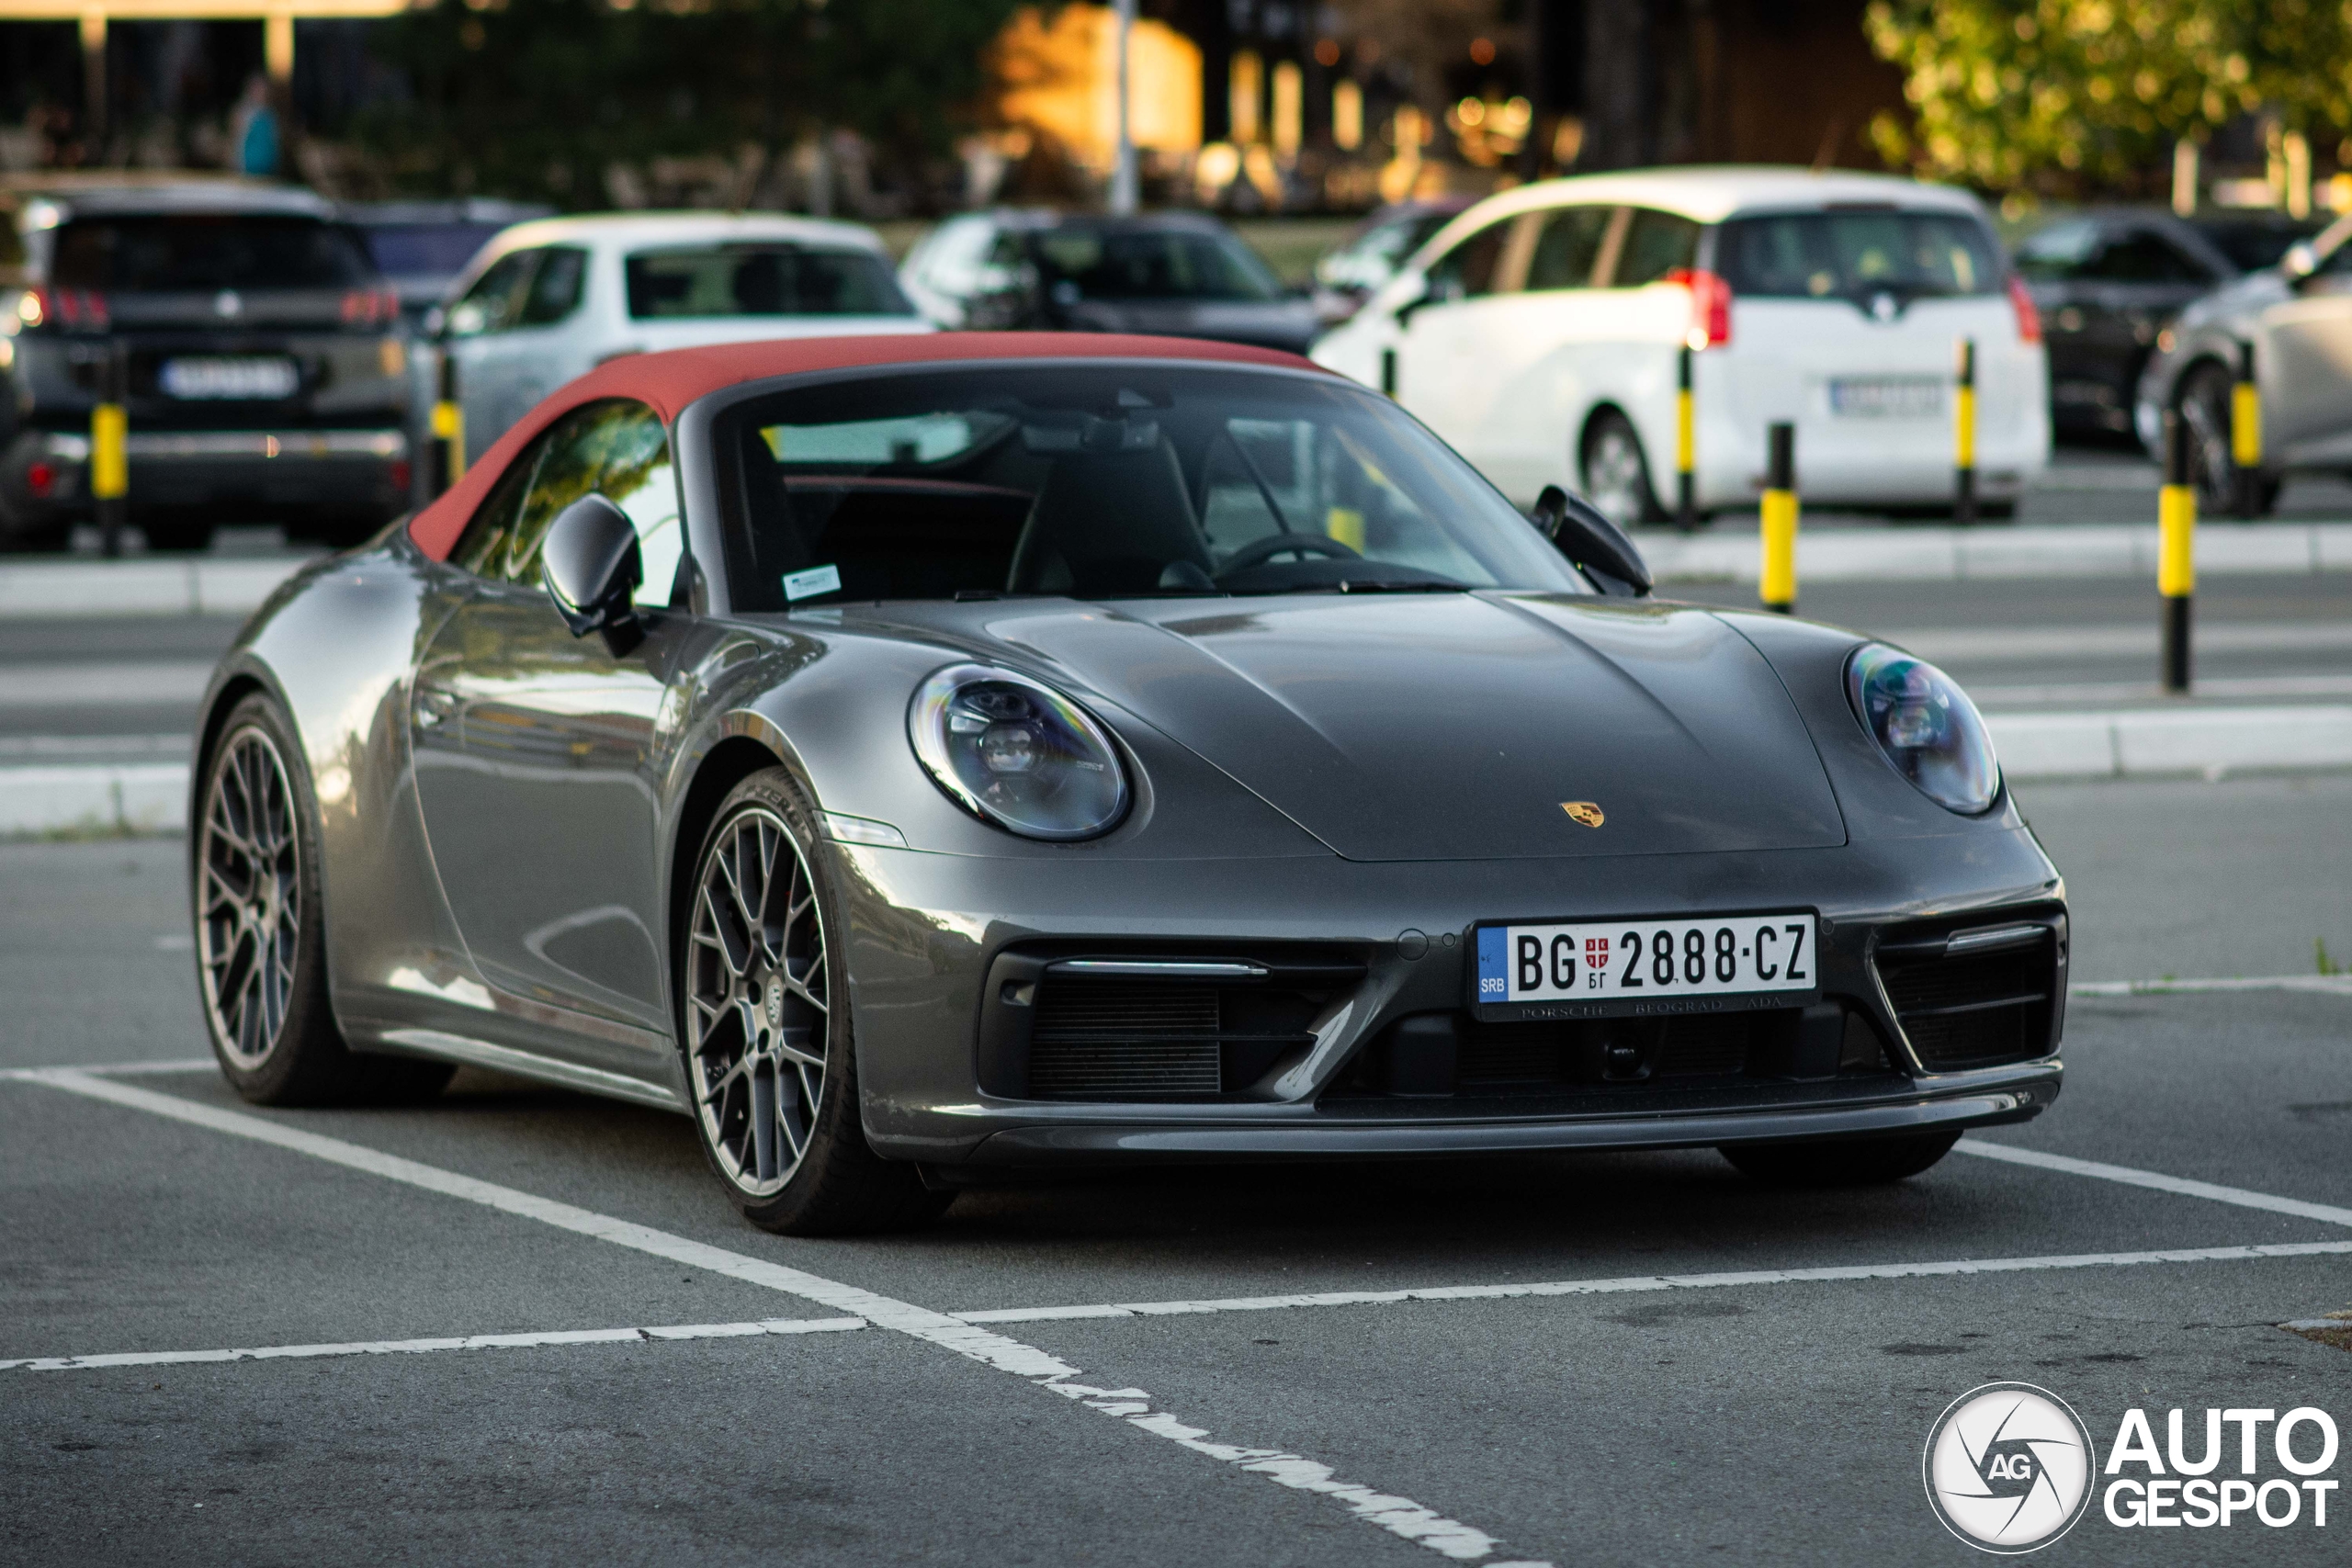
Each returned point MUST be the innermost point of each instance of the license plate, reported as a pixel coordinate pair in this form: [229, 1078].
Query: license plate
[1610, 969]
[1886, 397]
[228, 379]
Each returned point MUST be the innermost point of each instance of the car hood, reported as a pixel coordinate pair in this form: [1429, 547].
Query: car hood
[2239, 298]
[1458, 726]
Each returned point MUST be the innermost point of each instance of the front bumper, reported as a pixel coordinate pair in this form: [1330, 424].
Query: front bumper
[44, 475]
[933, 935]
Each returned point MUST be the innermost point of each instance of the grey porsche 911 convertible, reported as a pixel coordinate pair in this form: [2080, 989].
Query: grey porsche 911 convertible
[923, 762]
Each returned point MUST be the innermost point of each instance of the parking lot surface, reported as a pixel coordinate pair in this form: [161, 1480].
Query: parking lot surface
[1597, 1359]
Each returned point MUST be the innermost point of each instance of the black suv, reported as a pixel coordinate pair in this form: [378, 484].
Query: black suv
[267, 379]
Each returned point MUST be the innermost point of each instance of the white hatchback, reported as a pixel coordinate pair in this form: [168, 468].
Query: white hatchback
[1539, 333]
[546, 301]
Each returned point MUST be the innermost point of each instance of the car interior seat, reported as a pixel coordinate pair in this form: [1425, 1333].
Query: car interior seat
[1106, 524]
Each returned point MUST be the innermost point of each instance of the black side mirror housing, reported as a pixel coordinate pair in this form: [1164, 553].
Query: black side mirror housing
[591, 566]
[1403, 314]
[1597, 546]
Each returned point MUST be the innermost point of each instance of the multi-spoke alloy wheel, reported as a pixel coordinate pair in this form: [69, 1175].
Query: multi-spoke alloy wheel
[1616, 472]
[249, 897]
[759, 1001]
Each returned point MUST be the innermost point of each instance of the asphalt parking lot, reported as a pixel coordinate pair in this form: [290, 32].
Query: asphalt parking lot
[1563, 1359]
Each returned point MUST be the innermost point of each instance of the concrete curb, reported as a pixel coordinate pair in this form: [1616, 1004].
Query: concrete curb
[151, 797]
[1993, 553]
[54, 589]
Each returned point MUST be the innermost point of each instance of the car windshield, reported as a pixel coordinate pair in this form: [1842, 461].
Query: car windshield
[1827, 255]
[185, 253]
[1110, 480]
[763, 278]
[2254, 243]
[1152, 264]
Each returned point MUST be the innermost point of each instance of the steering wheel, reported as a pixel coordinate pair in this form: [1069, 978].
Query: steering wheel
[1268, 548]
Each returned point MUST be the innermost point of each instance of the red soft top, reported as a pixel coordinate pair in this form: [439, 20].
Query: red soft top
[669, 380]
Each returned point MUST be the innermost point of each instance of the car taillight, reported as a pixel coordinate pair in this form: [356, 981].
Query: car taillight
[68, 308]
[370, 307]
[2028, 318]
[1710, 306]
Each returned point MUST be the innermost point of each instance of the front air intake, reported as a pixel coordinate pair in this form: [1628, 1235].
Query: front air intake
[1124, 1039]
[1974, 998]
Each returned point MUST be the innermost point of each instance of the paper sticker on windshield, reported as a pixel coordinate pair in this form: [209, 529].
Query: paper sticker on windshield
[799, 585]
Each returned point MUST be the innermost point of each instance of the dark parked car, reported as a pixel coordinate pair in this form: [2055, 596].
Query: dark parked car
[2108, 281]
[421, 246]
[1179, 275]
[268, 379]
[1351, 271]
[918, 759]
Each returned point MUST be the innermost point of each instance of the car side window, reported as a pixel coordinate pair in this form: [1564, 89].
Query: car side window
[616, 448]
[495, 301]
[482, 549]
[554, 292]
[1468, 269]
[1567, 248]
[1655, 243]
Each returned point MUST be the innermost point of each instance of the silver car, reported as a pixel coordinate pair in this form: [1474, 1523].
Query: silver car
[2297, 319]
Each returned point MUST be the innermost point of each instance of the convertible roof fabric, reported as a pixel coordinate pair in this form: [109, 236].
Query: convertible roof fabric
[669, 380]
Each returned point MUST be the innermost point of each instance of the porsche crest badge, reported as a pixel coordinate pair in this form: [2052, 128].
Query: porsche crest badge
[1583, 811]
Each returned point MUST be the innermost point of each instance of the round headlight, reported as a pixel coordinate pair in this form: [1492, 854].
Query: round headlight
[1925, 726]
[1017, 753]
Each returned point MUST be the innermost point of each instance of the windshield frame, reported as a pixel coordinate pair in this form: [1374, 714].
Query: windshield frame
[709, 432]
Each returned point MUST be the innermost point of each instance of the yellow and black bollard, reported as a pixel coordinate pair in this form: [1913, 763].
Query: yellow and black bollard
[1780, 519]
[1964, 435]
[2245, 436]
[1686, 445]
[2176, 551]
[448, 425]
[109, 455]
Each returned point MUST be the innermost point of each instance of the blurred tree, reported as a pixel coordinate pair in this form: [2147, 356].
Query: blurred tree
[2065, 96]
[536, 99]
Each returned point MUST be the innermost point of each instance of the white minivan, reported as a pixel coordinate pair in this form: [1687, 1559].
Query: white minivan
[549, 300]
[1539, 333]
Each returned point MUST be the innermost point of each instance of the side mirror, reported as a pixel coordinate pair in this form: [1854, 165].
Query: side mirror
[436, 324]
[590, 566]
[1422, 298]
[2299, 261]
[1598, 547]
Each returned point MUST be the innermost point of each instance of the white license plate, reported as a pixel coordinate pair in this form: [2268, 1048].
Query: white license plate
[1618, 966]
[1886, 397]
[228, 379]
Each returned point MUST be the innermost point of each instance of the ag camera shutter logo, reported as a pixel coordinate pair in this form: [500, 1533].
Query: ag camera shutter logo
[2008, 1468]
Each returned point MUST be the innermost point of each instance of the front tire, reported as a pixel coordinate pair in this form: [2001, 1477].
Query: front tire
[770, 1057]
[2205, 409]
[1615, 471]
[1840, 1162]
[260, 936]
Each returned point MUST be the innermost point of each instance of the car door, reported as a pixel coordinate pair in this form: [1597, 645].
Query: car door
[538, 752]
[2124, 295]
[1542, 363]
[478, 336]
[544, 343]
[1441, 344]
[2303, 362]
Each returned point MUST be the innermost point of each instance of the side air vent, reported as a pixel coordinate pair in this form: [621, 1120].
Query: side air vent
[1974, 998]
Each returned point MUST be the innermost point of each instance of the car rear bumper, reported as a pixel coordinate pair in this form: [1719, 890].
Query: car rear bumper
[44, 475]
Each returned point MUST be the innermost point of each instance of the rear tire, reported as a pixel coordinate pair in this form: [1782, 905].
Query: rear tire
[1840, 1162]
[771, 1060]
[1615, 471]
[260, 939]
[177, 536]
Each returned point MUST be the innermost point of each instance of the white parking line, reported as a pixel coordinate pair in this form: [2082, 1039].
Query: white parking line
[419, 1346]
[1399, 1516]
[113, 1069]
[2325, 985]
[2158, 1181]
[1641, 1282]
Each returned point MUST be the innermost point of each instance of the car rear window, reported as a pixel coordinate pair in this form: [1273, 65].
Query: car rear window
[1152, 264]
[426, 249]
[764, 279]
[1825, 255]
[186, 252]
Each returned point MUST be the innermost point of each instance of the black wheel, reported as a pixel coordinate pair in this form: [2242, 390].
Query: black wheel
[1616, 472]
[769, 1052]
[177, 534]
[2205, 397]
[1840, 1162]
[260, 940]
[47, 540]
